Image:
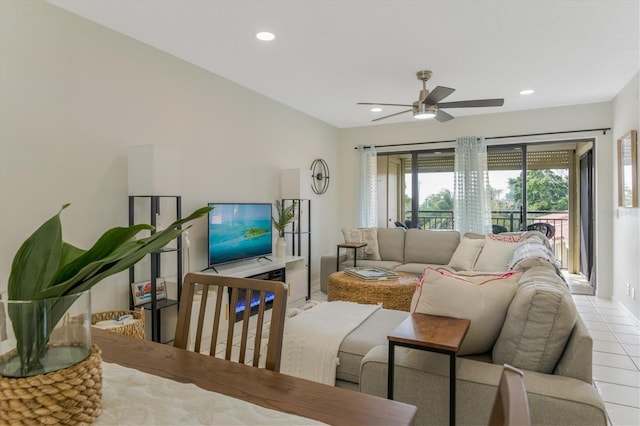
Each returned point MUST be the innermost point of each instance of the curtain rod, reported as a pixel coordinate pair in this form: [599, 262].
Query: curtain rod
[603, 130]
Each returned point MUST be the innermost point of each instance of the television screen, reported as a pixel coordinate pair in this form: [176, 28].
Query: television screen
[239, 231]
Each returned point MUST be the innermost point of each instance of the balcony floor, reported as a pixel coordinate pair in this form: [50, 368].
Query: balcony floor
[578, 284]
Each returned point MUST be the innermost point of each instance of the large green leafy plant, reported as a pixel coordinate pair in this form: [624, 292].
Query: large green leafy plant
[46, 267]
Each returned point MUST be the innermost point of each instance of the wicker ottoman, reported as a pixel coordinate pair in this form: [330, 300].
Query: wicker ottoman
[393, 294]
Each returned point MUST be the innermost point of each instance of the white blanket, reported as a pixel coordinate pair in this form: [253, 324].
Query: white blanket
[312, 339]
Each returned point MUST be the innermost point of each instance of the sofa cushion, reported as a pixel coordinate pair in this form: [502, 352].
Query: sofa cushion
[496, 254]
[433, 247]
[538, 323]
[370, 333]
[363, 235]
[481, 298]
[391, 243]
[466, 254]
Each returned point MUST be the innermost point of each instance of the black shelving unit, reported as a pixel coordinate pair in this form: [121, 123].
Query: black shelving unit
[298, 230]
[155, 307]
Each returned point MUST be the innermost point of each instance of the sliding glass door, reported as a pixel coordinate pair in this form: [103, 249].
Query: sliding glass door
[528, 184]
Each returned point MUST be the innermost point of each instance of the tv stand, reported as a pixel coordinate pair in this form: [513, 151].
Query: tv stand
[263, 257]
[295, 274]
[210, 267]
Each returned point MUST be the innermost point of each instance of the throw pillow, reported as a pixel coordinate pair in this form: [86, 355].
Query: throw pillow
[481, 298]
[496, 254]
[538, 323]
[363, 235]
[371, 251]
[507, 237]
[474, 235]
[466, 254]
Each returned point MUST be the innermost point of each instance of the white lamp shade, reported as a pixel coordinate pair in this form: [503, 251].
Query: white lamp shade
[295, 184]
[154, 170]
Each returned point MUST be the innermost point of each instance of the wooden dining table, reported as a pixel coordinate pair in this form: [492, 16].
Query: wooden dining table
[262, 387]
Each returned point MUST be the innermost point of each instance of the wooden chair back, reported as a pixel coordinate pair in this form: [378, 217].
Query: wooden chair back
[201, 285]
[511, 406]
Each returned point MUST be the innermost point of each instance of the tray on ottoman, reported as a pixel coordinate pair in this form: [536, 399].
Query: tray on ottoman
[370, 273]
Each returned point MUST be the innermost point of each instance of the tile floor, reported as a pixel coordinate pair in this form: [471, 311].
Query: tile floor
[616, 356]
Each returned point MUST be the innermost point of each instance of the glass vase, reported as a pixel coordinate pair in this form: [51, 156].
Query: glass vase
[41, 336]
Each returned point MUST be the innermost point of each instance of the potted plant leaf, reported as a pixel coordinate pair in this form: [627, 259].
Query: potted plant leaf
[283, 216]
[48, 275]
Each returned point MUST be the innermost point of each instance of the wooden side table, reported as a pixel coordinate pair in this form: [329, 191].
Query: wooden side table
[354, 246]
[434, 334]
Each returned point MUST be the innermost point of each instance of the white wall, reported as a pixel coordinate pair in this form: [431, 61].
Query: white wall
[75, 95]
[626, 236]
[502, 124]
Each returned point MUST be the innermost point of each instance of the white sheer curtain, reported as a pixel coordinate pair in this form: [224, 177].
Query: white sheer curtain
[367, 187]
[472, 204]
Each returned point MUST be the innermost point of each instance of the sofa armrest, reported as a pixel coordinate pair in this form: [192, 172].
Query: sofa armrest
[576, 360]
[327, 267]
[422, 379]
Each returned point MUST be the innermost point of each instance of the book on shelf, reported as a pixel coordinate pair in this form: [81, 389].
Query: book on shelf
[370, 273]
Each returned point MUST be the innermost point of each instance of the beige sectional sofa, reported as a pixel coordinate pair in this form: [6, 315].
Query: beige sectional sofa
[542, 334]
[399, 250]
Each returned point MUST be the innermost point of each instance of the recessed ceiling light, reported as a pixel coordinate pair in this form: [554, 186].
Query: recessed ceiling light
[265, 36]
[376, 109]
[527, 91]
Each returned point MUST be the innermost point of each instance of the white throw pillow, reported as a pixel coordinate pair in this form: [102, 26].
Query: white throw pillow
[495, 255]
[363, 235]
[481, 298]
[466, 254]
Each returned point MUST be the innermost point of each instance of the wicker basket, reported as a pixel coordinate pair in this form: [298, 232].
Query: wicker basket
[69, 396]
[133, 329]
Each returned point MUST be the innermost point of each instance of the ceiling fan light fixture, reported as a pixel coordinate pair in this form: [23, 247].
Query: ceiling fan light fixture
[424, 115]
[429, 103]
[424, 112]
[376, 109]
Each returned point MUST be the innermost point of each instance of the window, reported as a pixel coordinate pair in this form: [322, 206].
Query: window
[424, 194]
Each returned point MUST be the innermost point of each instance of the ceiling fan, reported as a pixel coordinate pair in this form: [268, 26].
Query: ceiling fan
[428, 104]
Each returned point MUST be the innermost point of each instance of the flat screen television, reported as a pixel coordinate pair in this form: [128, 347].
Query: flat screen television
[239, 231]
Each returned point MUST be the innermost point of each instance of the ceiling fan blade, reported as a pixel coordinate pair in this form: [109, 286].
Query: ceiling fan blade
[472, 104]
[391, 115]
[378, 103]
[438, 94]
[442, 116]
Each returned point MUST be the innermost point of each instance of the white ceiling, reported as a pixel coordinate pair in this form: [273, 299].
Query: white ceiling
[330, 54]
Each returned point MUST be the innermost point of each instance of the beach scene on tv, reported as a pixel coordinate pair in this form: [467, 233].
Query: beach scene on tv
[239, 231]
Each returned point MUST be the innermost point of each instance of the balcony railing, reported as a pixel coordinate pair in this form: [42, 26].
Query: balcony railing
[510, 220]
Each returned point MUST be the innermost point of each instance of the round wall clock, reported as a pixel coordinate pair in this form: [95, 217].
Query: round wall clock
[319, 176]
